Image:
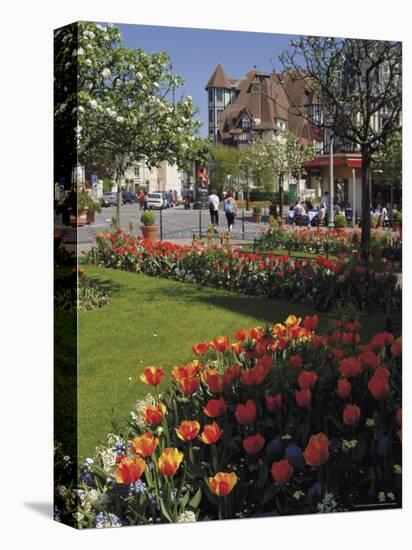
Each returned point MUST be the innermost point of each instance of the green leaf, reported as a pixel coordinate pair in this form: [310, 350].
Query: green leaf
[270, 492]
[262, 476]
[194, 503]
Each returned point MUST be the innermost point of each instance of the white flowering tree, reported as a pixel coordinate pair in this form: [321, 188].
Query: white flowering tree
[285, 156]
[116, 106]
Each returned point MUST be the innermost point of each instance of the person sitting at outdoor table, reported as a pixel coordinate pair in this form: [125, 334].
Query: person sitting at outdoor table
[322, 213]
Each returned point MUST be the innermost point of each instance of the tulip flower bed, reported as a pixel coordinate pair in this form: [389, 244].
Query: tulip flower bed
[279, 420]
[319, 282]
[319, 241]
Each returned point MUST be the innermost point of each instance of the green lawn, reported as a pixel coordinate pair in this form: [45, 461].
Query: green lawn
[153, 321]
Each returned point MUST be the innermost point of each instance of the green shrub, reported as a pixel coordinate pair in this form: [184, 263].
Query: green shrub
[257, 209]
[340, 221]
[148, 218]
[397, 216]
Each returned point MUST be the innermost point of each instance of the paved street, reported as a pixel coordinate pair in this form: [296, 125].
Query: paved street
[177, 225]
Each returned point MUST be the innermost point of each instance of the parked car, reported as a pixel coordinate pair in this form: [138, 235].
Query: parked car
[156, 200]
[109, 199]
[129, 198]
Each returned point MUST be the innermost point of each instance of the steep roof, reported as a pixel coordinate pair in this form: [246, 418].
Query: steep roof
[219, 79]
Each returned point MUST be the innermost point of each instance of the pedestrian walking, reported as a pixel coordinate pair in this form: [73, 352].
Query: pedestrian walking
[230, 208]
[214, 208]
[145, 201]
[141, 200]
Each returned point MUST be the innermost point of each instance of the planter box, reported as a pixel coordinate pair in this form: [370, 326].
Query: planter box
[149, 232]
[256, 218]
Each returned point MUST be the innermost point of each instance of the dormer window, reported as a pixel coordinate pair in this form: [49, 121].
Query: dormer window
[246, 123]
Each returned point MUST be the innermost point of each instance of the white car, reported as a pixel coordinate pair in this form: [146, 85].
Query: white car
[156, 200]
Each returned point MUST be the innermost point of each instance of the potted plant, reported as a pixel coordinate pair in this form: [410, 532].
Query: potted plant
[93, 208]
[257, 214]
[75, 208]
[396, 220]
[340, 223]
[149, 229]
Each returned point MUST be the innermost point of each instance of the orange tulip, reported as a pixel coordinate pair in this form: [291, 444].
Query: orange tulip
[351, 414]
[215, 408]
[246, 414]
[303, 397]
[292, 320]
[188, 386]
[241, 335]
[253, 444]
[211, 433]
[350, 367]
[344, 388]
[153, 414]
[282, 471]
[186, 371]
[129, 470]
[274, 402]
[311, 323]
[145, 444]
[214, 380]
[187, 430]
[169, 461]
[221, 343]
[317, 450]
[200, 349]
[307, 379]
[152, 375]
[222, 483]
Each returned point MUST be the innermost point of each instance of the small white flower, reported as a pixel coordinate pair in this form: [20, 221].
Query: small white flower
[106, 73]
[66, 458]
[88, 62]
[186, 517]
[62, 107]
[81, 109]
[120, 119]
[381, 496]
[397, 469]
[156, 84]
[93, 104]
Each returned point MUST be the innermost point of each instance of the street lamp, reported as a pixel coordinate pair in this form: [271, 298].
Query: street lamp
[331, 224]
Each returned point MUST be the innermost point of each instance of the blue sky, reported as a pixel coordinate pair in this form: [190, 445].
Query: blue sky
[196, 52]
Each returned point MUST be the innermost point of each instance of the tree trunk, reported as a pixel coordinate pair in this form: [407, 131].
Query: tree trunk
[366, 213]
[247, 189]
[119, 197]
[281, 199]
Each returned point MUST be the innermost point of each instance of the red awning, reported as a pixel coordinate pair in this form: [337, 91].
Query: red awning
[337, 161]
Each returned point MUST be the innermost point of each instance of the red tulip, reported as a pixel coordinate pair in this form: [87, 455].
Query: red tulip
[214, 380]
[344, 388]
[188, 386]
[303, 397]
[350, 367]
[253, 444]
[307, 379]
[246, 414]
[282, 471]
[311, 323]
[221, 343]
[369, 359]
[351, 414]
[295, 361]
[129, 470]
[379, 384]
[153, 414]
[200, 349]
[215, 408]
[274, 402]
[317, 450]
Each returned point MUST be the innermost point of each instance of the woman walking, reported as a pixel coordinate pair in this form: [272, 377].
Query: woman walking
[230, 210]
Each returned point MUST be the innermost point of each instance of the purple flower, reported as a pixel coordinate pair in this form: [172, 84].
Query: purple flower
[274, 448]
[294, 455]
[382, 445]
